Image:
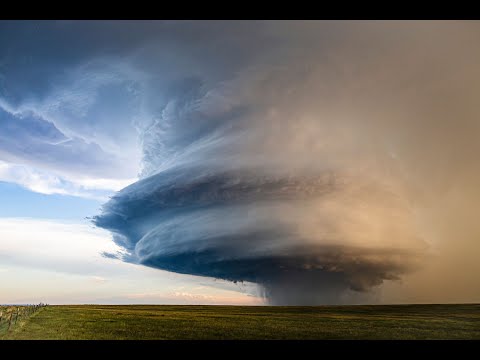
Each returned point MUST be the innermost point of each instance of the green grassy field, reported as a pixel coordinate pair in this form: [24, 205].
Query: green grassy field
[246, 322]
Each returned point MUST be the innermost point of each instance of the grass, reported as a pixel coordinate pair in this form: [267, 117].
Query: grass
[11, 315]
[250, 322]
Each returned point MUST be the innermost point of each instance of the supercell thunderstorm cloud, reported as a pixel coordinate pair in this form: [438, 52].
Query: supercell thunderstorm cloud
[299, 156]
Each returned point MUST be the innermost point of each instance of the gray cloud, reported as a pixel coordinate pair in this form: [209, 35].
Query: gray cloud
[305, 165]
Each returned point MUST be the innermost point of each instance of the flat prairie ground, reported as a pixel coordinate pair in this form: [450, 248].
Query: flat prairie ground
[250, 322]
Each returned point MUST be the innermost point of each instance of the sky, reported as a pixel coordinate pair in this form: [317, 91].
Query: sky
[239, 162]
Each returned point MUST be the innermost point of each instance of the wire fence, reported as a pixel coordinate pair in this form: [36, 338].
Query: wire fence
[10, 315]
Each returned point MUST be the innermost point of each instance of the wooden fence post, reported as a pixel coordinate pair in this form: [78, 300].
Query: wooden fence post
[10, 321]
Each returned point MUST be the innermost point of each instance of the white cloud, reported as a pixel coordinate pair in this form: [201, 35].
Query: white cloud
[79, 140]
[221, 297]
[98, 279]
[80, 107]
[60, 263]
[60, 246]
[47, 182]
[105, 184]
